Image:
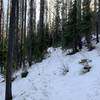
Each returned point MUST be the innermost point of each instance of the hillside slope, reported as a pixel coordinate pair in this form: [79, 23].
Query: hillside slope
[59, 77]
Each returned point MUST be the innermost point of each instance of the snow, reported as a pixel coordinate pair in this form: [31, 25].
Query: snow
[46, 80]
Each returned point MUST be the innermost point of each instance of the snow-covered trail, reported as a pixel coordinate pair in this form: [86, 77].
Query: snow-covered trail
[46, 80]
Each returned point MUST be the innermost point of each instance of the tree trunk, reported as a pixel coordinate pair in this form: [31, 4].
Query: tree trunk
[7, 20]
[97, 33]
[41, 24]
[8, 92]
[1, 12]
[31, 32]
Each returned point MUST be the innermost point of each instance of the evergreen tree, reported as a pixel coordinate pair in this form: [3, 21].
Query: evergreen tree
[30, 32]
[71, 36]
[1, 12]
[79, 20]
[57, 26]
[8, 92]
[41, 33]
[64, 20]
[87, 23]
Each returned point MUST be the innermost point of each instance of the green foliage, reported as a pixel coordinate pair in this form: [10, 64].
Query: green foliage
[36, 51]
[3, 55]
[70, 33]
[87, 22]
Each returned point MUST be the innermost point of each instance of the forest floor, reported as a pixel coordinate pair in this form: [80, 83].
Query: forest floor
[59, 77]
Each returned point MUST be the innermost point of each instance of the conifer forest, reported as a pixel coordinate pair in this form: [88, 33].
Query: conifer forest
[49, 49]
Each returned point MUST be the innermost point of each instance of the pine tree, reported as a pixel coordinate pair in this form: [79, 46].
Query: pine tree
[98, 24]
[71, 36]
[57, 26]
[2, 40]
[87, 23]
[41, 33]
[95, 23]
[64, 20]
[1, 10]
[79, 16]
[8, 92]
[46, 26]
[31, 31]
[41, 25]
[17, 36]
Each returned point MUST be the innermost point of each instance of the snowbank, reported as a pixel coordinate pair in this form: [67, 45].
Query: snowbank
[46, 80]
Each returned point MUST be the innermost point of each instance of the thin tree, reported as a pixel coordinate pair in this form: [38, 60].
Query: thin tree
[0, 17]
[41, 24]
[30, 31]
[96, 20]
[1, 11]
[79, 11]
[57, 35]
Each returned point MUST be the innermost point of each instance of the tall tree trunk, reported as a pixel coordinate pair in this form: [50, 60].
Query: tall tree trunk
[31, 31]
[79, 23]
[24, 42]
[1, 35]
[1, 12]
[8, 92]
[63, 18]
[17, 34]
[41, 24]
[22, 32]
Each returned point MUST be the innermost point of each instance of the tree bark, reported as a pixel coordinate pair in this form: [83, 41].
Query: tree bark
[8, 92]
[97, 33]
